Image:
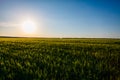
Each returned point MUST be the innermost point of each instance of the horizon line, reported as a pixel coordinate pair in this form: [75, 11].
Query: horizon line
[57, 37]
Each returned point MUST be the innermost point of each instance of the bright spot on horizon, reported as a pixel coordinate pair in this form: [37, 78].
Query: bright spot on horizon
[29, 27]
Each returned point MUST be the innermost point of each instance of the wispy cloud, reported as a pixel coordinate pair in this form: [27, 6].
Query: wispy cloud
[9, 24]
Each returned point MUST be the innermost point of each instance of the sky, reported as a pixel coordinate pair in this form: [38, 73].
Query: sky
[61, 18]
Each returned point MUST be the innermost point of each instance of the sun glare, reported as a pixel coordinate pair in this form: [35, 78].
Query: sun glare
[28, 27]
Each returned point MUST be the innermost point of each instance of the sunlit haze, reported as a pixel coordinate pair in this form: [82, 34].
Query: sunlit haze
[60, 18]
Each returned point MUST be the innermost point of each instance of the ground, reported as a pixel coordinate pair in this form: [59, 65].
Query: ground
[59, 59]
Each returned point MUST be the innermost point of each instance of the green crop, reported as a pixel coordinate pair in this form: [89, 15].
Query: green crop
[59, 59]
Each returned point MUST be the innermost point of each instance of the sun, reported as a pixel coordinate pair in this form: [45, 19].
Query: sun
[28, 27]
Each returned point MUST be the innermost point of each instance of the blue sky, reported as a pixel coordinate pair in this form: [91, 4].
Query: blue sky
[62, 18]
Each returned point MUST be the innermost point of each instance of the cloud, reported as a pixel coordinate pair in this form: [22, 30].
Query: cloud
[8, 24]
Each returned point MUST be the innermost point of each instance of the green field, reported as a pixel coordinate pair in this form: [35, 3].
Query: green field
[59, 59]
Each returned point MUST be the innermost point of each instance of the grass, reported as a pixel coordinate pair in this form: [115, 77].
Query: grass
[59, 59]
